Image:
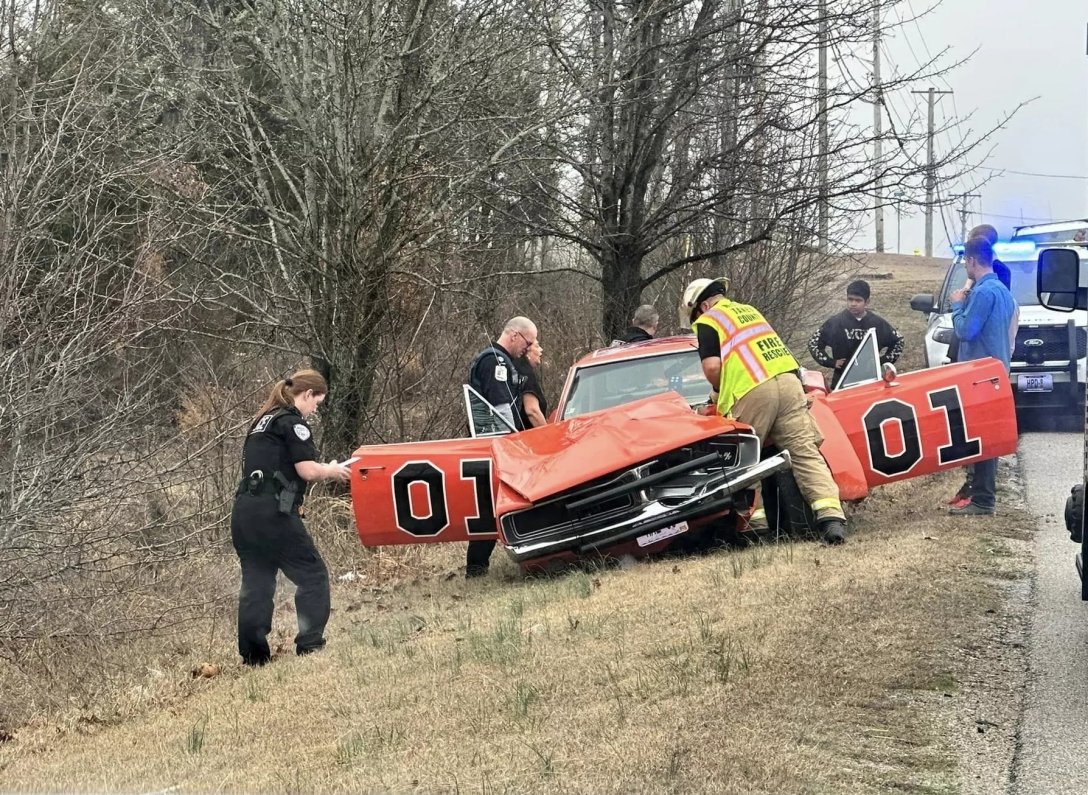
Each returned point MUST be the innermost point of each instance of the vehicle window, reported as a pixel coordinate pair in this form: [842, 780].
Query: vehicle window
[605, 386]
[1023, 281]
[864, 365]
[957, 275]
[1022, 273]
[483, 420]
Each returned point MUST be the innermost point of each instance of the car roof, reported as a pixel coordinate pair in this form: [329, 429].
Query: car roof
[639, 350]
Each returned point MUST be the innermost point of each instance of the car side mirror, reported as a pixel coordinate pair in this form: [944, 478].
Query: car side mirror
[923, 302]
[889, 374]
[1058, 280]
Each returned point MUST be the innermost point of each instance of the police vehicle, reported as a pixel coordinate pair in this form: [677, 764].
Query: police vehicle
[1054, 232]
[1048, 360]
[1062, 285]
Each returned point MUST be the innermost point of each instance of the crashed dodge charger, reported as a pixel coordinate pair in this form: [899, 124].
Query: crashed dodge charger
[634, 461]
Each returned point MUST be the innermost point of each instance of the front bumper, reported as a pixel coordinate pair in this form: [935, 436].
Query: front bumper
[656, 505]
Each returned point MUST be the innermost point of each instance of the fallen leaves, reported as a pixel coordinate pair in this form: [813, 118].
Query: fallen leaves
[206, 670]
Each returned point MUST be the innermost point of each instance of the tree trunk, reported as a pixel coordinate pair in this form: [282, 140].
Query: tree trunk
[621, 293]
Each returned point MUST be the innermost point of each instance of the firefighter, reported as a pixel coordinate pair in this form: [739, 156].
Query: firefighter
[756, 381]
[495, 375]
[266, 527]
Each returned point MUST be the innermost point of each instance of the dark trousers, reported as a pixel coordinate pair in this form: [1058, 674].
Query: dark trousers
[268, 541]
[968, 477]
[478, 558]
[984, 483]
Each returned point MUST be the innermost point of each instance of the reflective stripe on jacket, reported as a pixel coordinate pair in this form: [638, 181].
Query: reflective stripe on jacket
[751, 351]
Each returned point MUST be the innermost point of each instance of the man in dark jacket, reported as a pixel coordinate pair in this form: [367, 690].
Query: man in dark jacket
[643, 325]
[843, 333]
[495, 374]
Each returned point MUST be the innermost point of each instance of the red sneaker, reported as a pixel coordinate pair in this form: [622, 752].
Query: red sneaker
[959, 498]
[962, 502]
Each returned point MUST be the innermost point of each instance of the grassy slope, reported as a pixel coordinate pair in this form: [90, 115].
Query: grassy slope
[786, 668]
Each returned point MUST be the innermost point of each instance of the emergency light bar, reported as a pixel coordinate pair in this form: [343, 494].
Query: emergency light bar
[1010, 249]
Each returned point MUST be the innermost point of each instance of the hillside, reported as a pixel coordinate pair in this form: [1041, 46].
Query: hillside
[785, 667]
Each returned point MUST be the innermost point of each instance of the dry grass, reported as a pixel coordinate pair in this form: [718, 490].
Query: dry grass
[788, 668]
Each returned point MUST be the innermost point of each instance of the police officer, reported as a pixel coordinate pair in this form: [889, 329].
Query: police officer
[756, 380]
[265, 526]
[495, 375]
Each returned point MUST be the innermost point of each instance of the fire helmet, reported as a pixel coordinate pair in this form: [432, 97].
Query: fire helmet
[694, 295]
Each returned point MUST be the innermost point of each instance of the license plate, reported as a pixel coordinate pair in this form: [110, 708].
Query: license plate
[1043, 382]
[662, 534]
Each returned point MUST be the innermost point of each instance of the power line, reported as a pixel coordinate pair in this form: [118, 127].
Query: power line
[1033, 173]
[1014, 217]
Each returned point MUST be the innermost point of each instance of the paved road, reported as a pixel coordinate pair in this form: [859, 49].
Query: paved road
[1053, 752]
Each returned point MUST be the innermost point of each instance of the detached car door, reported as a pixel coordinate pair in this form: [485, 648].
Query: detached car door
[424, 492]
[922, 422]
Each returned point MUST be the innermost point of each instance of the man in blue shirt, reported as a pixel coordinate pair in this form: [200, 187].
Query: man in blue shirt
[982, 320]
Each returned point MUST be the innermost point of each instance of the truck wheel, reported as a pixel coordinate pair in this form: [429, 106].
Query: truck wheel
[787, 511]
[1074, 510]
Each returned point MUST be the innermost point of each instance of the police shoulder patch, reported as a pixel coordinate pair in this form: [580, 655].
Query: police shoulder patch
[262, 424]
[302, 432]
[500, 372]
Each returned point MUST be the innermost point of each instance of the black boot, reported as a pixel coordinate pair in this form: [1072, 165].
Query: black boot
[833, 531]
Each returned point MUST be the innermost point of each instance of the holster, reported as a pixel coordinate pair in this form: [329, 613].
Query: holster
[287, 495]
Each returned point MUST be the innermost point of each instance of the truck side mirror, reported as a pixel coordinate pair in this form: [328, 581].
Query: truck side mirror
[924, 302]
[1058, 280]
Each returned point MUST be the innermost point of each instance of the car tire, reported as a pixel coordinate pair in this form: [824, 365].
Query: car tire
[787, 511]
[1074, 510]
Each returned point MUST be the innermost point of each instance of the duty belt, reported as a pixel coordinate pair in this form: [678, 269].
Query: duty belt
[257, 482]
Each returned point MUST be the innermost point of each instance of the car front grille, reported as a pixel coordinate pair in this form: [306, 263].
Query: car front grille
[1047, 344]
[555, 519]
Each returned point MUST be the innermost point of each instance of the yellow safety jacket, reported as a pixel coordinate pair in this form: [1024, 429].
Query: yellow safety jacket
[751, 351]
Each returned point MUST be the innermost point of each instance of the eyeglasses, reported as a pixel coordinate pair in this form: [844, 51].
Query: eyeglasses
[528, 341]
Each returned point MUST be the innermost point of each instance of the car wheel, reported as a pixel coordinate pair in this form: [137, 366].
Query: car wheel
[787, 511]
[1074, 518]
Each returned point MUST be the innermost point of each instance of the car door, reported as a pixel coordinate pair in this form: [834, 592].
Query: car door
[424, 492]
[929, 420]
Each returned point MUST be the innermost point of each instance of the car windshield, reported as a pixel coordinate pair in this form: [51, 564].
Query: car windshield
[604, 386]
[1023, 281]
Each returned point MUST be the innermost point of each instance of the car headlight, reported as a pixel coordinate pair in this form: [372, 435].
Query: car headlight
[943, 335]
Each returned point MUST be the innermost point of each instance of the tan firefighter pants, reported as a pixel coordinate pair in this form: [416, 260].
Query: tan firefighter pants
[777, 409]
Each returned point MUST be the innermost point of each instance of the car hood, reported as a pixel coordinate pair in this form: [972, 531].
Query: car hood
[1041, 316]
[554, 458]
[1034, 315]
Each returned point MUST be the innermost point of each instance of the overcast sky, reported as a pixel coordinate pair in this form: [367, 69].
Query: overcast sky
[1025, 51]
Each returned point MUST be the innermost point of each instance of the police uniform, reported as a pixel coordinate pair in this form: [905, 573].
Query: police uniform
[759, 386]
[268, 535]
[495, 375]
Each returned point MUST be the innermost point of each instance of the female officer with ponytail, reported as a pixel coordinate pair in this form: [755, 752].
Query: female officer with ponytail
[278, 459]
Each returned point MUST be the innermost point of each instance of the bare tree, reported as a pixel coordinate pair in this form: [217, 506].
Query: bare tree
[346, 140]
[696, 122]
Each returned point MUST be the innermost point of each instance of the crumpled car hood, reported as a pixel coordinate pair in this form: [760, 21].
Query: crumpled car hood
[551, 459]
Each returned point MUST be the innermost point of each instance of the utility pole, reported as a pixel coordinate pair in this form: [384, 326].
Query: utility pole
[931, 171]
[821, 91]
[878, 192]
[964, 213]
[899, 196]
